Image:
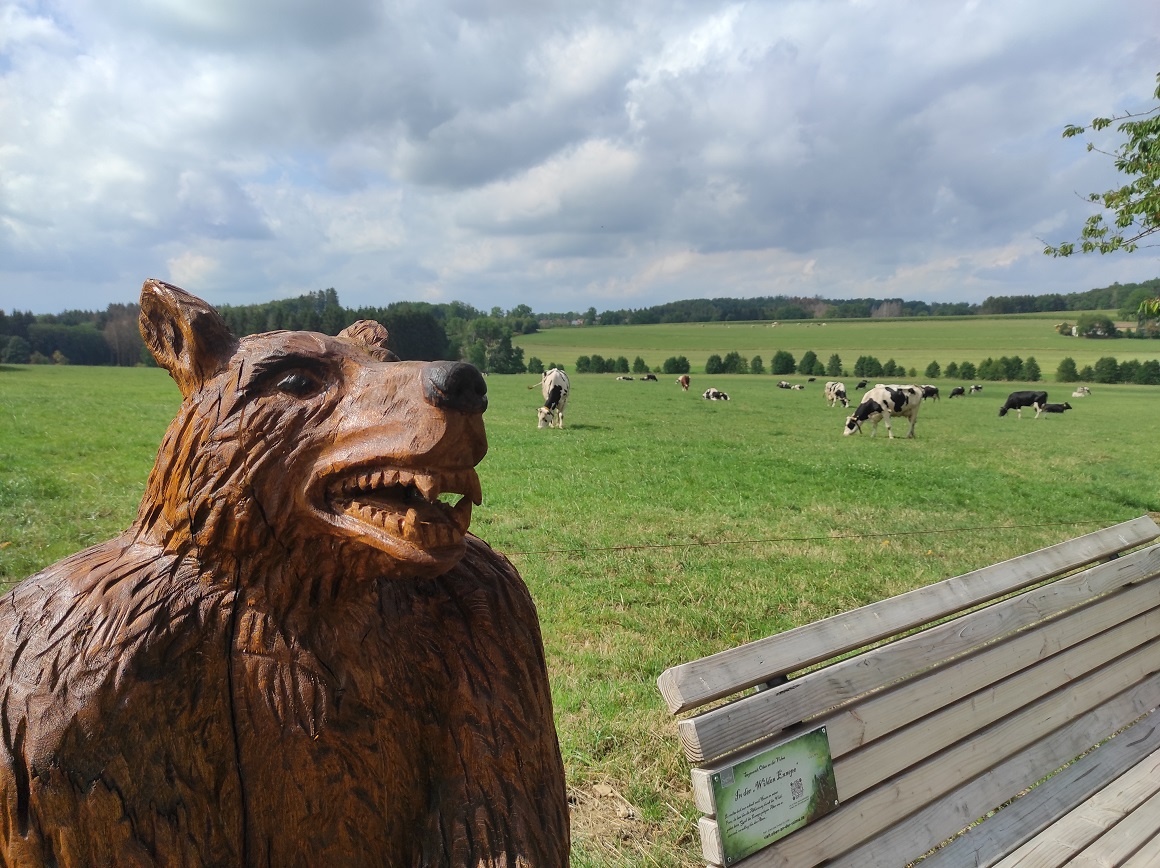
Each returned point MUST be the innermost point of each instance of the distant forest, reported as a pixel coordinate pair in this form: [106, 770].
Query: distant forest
[455, 330]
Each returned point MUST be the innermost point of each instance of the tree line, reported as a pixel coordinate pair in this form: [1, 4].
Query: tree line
[1123, 298]
[782, 363]
[416, 330]
[455, 330]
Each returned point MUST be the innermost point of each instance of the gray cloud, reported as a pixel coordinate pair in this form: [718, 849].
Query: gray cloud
[554, 154]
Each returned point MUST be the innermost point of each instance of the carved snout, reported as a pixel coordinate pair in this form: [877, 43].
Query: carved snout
[454, 386]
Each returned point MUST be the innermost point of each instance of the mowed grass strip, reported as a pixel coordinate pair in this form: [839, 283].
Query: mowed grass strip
[912, 343]
[655, 528]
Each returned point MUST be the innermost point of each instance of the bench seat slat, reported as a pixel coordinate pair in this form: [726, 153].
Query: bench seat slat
[1075, 830]
[723, 730]
[938, 821]
[1119, 843]
[1085, 703]
[953, 701]
[1147, 856]
[695, 683]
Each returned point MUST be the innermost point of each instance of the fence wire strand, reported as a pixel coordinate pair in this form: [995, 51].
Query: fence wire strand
[798, 539]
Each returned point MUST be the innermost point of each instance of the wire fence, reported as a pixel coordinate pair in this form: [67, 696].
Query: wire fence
[799, 539]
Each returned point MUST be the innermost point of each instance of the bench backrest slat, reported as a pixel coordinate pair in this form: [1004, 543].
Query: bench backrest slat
[942, 818]
[723, 730]
[1031, 739]
[1085, 638]
[698, 682]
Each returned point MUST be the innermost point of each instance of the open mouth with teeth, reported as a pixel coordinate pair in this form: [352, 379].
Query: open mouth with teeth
[407, 512]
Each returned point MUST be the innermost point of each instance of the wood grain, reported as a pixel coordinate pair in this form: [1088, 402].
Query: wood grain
[297, 654]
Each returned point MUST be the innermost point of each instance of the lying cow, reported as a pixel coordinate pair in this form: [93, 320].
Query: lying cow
[652, 377]
[976, 388]
[1056, 408]
[929, 391]
[624, 377]
[683, 380]
[1018, 400]
[836, 392]
[958, 392]
[882, 402]
[783, 384]
[1081, 392]
[712, 394]
[797, 387]
[554, 385]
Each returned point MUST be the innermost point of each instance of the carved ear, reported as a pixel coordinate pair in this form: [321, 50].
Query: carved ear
[370, 335]
[186, 336]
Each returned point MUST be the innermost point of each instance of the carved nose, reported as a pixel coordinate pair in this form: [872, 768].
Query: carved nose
[454, 386]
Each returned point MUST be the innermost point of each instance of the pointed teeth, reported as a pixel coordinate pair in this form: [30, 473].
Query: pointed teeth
[427, 485]
[461, 514]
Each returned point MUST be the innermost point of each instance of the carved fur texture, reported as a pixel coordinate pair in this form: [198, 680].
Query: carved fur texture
[297, 655]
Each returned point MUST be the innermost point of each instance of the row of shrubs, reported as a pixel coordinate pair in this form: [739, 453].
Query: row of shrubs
[1106, 370]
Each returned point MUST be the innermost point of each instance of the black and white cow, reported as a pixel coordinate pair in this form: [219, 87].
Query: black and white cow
[624, 377]
[882, 402]
[554, 385]
[1018, 400]
[652, 377]
[976, 388]
[958, 392]
[783, 384]
[1056, 408]
[797, 387]
[712, 394]
[929, 391]
[836, 392]
[1081, 392]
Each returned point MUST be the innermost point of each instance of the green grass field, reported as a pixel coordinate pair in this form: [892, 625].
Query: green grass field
[912, 343]
[657, 527]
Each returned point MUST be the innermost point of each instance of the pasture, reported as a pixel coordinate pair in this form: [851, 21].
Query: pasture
[912, 343]
[657, 526]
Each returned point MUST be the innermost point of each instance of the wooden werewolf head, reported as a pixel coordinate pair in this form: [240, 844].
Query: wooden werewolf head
[297, 654]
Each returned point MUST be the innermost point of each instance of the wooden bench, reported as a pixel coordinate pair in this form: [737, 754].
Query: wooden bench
[943, 709]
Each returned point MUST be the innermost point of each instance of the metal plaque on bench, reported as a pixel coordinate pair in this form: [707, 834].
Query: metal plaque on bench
[776, 792]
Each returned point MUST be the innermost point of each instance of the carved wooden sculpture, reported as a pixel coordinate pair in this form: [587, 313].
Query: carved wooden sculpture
[297, 655]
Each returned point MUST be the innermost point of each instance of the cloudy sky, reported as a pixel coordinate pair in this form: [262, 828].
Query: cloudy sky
[557, 153]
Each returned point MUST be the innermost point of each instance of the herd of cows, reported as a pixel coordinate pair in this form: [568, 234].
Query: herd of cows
[879, 404]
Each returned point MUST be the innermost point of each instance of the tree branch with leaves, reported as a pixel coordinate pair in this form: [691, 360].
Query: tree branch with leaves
[1134, 207]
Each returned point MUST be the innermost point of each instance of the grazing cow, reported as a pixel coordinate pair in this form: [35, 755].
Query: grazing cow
[683, 380]
[1081, 392]
[1056, 408]
[812, 380]
[882, 402]
[797, 387]
[958, 392]
[976, 388]
[929, 391]
[836, 392]
[652, 377]
[1018, 400]
[861, 384]
[554, 385]
[712, 394]
[783, 384]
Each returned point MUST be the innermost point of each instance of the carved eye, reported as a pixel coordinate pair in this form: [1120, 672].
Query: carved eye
[300, 384]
